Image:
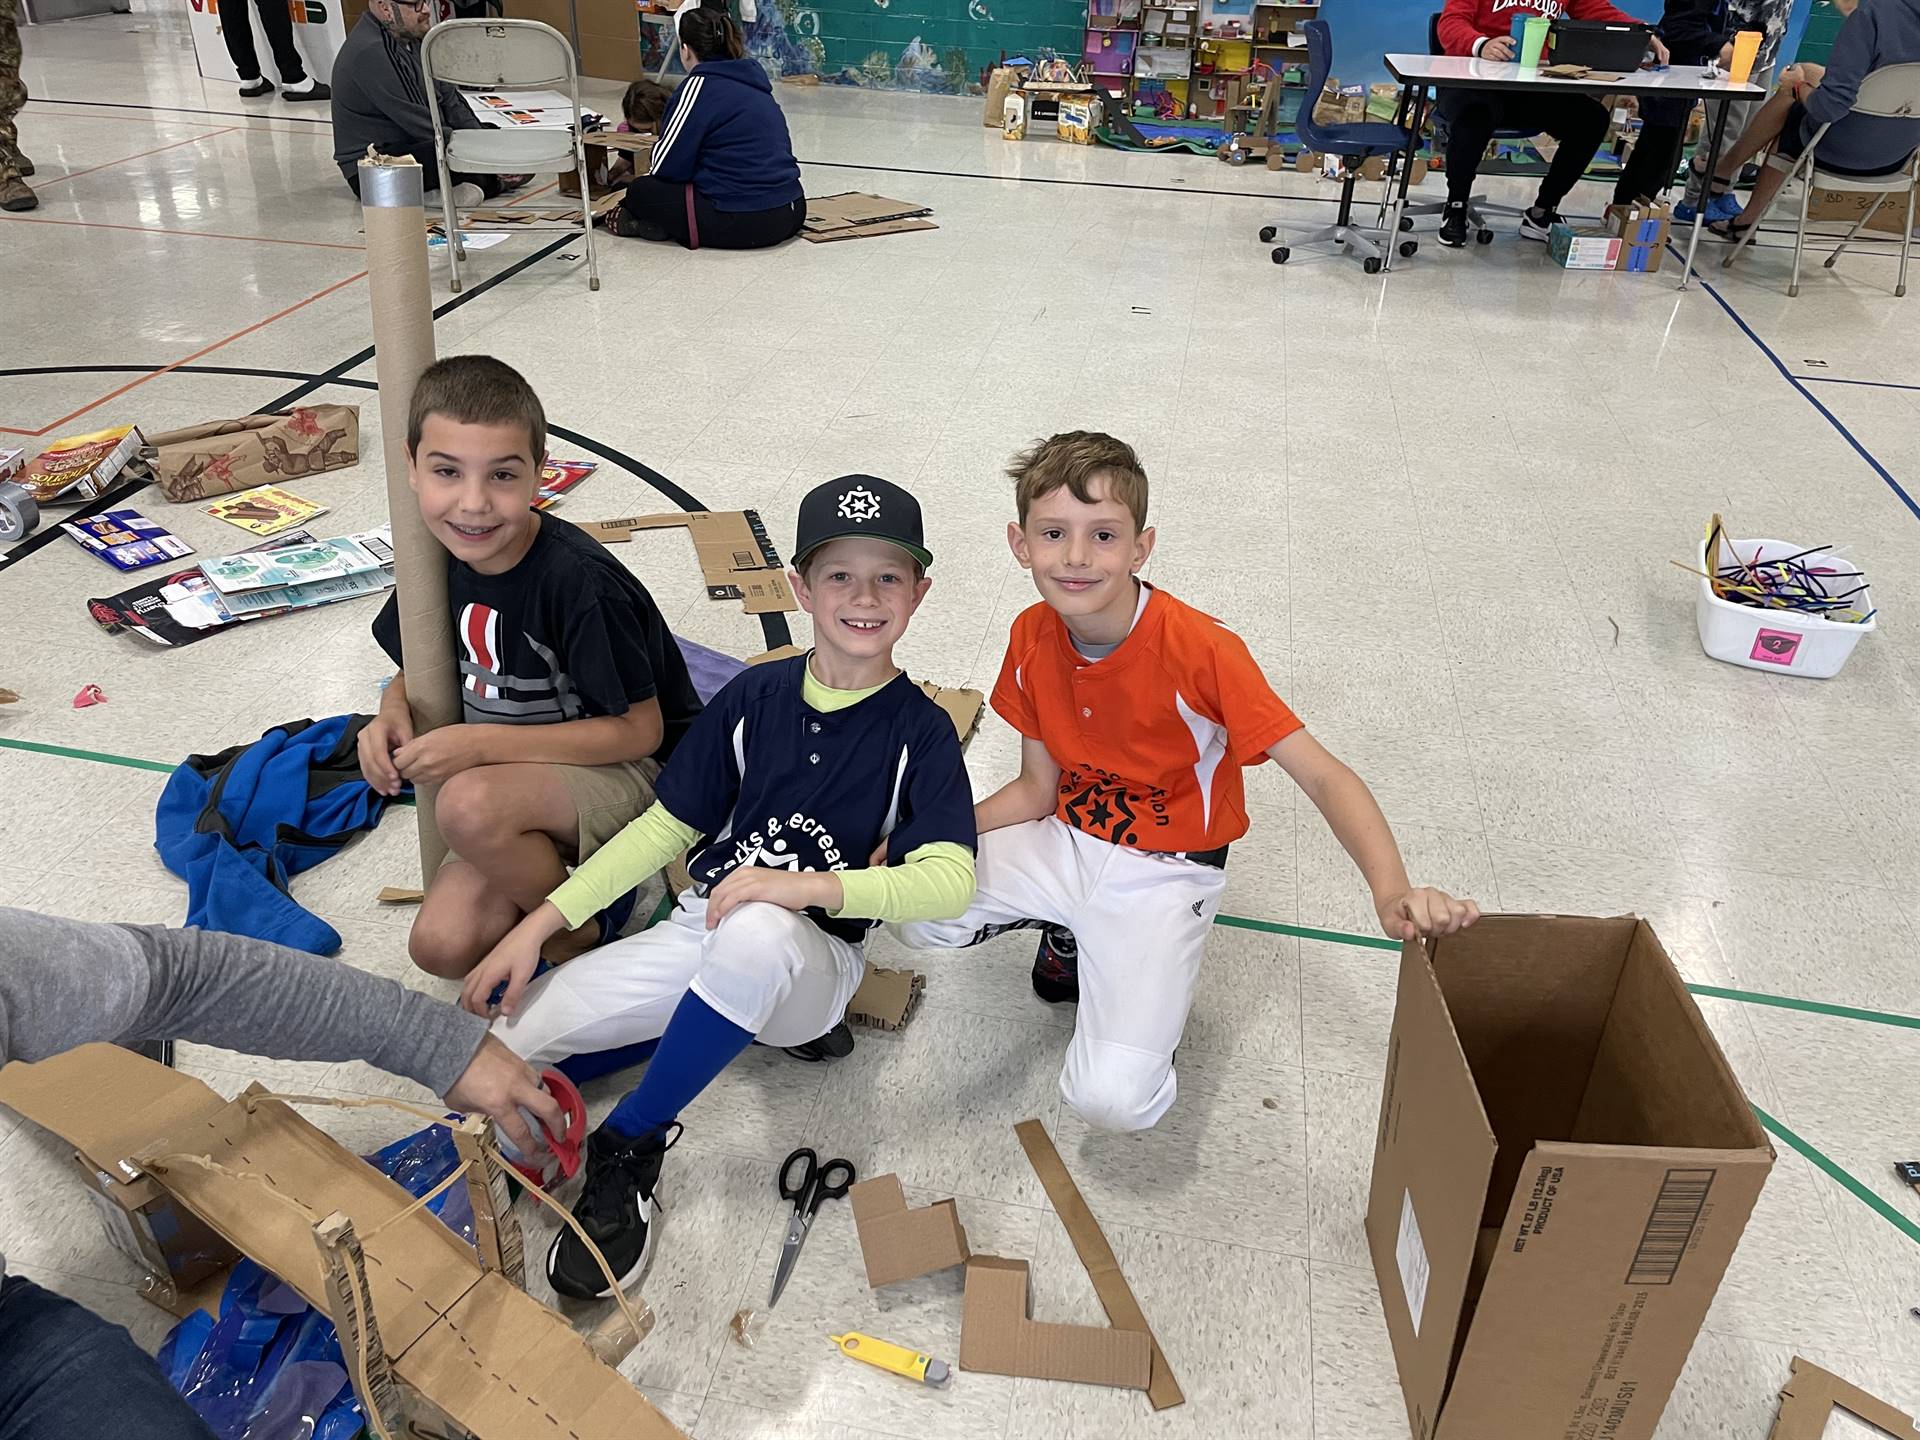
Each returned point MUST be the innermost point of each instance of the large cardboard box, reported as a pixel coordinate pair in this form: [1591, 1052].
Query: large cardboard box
[1850, 205]
[1644, 228]
[1563, 1166]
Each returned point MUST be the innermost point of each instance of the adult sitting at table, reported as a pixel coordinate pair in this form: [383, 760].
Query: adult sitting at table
[1482, 29]
[380, 99]
[723, 173]
[1878, 33]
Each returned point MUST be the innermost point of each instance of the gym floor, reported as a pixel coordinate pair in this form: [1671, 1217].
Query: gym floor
[1440, 506]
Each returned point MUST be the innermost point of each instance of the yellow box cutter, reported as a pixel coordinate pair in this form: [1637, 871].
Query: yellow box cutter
[896, 1358]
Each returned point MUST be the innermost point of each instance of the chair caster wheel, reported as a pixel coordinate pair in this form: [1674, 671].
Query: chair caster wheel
[1483, 237]
[19, 515]
[1408, 247]
[1280, 254]
[1406, 222]
[1267, 232]
[1371, 264]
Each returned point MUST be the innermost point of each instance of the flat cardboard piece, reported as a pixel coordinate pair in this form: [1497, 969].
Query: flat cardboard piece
[868, 232]
[485, 1353]
[886, 999]
[400, 895]
[998, 1338]
[1090, 1243]
[1563, 1166]
[223, 456]
[1809, 1397]
[898, 1243]
[855, 214]
[499, 219]
[737, 558]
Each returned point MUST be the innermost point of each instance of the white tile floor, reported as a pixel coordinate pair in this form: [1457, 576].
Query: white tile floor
[1441, 507]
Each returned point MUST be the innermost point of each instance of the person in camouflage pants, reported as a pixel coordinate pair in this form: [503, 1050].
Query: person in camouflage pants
[14, 194]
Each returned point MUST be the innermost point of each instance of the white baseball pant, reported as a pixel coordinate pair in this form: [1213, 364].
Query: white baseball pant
[1141, 920]
[765, 968]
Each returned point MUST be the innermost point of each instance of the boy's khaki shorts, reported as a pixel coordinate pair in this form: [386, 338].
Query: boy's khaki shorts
[607, 798]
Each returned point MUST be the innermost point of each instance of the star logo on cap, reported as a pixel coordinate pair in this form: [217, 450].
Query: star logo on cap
[859, 504]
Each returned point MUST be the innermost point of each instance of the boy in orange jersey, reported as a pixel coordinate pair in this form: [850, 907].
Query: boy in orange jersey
[1136, 714]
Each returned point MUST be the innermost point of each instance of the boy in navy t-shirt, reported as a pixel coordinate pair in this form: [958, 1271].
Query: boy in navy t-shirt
[782, 789]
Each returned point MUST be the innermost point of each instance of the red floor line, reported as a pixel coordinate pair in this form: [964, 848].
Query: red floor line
[192, 234]
[40, 184]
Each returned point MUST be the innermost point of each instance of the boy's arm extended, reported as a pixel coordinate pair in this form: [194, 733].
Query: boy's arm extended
[594, 740]
[1353, 815]
[1030, 795]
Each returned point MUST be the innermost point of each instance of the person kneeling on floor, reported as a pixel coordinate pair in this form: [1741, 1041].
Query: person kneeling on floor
[783, 789]
[723, 173]
[1482, 28]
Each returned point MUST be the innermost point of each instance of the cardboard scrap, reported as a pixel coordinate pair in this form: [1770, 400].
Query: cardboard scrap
[997, 1337]
[499, 219]
[886, 999]
[1090, 1243]
[8, 697]
[898, 1243]
[856, 215]
[737, 558]
[486, 1354]
[400, 895]
[1810, 1396]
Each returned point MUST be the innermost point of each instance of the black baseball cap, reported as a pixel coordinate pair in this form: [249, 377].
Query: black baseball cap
[860, 505]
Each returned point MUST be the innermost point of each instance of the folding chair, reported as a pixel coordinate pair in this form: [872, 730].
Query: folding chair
[1893, 91]
[506, 55]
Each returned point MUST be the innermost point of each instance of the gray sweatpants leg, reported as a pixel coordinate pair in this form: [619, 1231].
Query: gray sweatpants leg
[1738, 114]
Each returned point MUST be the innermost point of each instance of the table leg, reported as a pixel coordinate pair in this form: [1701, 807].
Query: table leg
[1706, 192]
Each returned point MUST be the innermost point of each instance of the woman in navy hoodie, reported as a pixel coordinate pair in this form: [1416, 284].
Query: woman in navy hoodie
[723, 172]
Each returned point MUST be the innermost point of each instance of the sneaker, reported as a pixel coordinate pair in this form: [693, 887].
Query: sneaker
[836, 1044]
[616, 1208]
[1724, 206]
[1453, 224]
[254, 89]
[20, 163]
[315, 90]
[14, 195]
[1538, 222]
[1056, 968]
[466, 195]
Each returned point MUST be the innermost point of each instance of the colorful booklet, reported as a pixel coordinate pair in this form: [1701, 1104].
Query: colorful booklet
[559, 476]
[126, 539]
[80, 467]
[303, 564]
[265, 509]
[149, 608]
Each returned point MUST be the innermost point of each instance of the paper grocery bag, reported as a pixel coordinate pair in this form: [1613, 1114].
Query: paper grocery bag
[999, 83]
[226, 455]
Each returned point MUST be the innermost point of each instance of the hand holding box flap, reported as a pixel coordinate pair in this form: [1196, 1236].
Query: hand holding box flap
[998, 1338]
[898, 1243]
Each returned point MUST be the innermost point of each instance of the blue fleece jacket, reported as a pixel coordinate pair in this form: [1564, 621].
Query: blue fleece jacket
[724, 131]
[1878, 34]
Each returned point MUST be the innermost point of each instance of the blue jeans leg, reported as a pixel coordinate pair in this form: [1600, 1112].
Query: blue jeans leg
[66, 1374]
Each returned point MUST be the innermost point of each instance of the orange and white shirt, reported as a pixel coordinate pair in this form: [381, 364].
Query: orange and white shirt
[1150, 739]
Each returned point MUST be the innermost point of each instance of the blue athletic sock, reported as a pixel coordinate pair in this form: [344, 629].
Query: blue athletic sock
[699, 1043]
[595, 1063]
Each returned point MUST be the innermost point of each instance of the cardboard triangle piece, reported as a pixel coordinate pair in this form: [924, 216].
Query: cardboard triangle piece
[898, 1243]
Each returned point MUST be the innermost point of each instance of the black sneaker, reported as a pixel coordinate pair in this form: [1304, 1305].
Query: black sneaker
[254, 89]
[836, 1044]
[1453, 224]
[1056, 968]
[1537, 223]
[616, 1208]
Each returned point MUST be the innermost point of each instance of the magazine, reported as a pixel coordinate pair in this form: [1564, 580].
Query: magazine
[301, 565]
[126, 539]
[148, 609]
[265, 509]
[252, 604]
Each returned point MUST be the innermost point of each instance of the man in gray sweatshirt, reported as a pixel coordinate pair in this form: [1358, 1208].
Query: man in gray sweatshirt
[65, 1373]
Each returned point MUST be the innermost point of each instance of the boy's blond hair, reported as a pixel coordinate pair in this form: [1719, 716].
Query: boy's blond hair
[1075, 459]
[477, 390]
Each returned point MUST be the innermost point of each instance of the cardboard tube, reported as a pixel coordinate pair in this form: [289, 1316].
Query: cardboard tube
[392, 200]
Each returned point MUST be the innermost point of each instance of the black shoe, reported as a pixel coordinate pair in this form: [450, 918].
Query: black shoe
[836, 1044]
[315, 90]
[254, 89]
[1453, 224]
[616, 1208]
[1538, 222]
[1056, 968]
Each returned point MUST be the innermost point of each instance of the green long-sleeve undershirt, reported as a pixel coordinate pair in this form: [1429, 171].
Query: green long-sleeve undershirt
[934, 882]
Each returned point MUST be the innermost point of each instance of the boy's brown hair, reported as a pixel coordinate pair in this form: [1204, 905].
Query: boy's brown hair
[644, 103]
[477, 390]
[1074, 459]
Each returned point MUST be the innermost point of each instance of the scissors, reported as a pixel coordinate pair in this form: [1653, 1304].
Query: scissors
[817, 1182]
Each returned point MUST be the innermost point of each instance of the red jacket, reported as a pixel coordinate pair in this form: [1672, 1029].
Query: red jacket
[1465, 22]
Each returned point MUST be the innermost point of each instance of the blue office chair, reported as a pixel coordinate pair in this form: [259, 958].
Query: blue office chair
[1478, 206]
[1354, 144]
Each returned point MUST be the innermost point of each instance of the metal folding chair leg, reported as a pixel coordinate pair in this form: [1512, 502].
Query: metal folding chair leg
[1800, 234]
[450, 222]
[1906, 236]
[1858, 226]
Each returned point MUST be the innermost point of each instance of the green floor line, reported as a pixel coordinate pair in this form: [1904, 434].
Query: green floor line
[66, 752]
[1812, 1007]
[1307, 932]
[1843, 1177]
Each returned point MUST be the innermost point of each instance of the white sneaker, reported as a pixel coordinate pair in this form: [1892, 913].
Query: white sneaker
[466, 195]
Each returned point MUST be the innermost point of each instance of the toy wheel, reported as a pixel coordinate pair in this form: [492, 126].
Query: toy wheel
[1371, 264]
[1483, 237]
[1408, 247]
[1267, 232]
[1406, 222]
[18, 513]
[1237, 157]
[1280, 254]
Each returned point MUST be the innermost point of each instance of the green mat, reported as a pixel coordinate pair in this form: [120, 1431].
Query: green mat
[1191, 147]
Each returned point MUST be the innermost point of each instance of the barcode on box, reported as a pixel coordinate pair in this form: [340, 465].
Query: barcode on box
[1676, 1210]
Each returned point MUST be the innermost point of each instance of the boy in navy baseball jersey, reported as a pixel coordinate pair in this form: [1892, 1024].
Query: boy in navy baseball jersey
[780, 792]
[1136, 714]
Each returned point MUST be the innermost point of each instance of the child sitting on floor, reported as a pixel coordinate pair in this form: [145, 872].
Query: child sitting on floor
[572, 689]
[644, 106]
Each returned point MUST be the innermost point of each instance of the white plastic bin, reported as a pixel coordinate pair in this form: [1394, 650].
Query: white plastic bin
[1779, 641]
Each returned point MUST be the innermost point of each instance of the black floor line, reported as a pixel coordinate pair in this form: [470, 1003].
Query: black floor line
[184, 110]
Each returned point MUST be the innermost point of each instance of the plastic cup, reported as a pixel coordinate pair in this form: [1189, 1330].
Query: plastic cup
[1533, 39]
[1746, 48]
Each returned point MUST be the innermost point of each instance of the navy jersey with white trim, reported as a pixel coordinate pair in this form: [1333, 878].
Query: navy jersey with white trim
[768, 780]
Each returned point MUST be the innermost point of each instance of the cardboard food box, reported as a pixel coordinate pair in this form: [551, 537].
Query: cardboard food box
[227, 455]
[1079, 118]
[79, 467]
[1563, 1166]
[1643, 229]
[1014, 116]
[1583, 248]
[601, 147]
